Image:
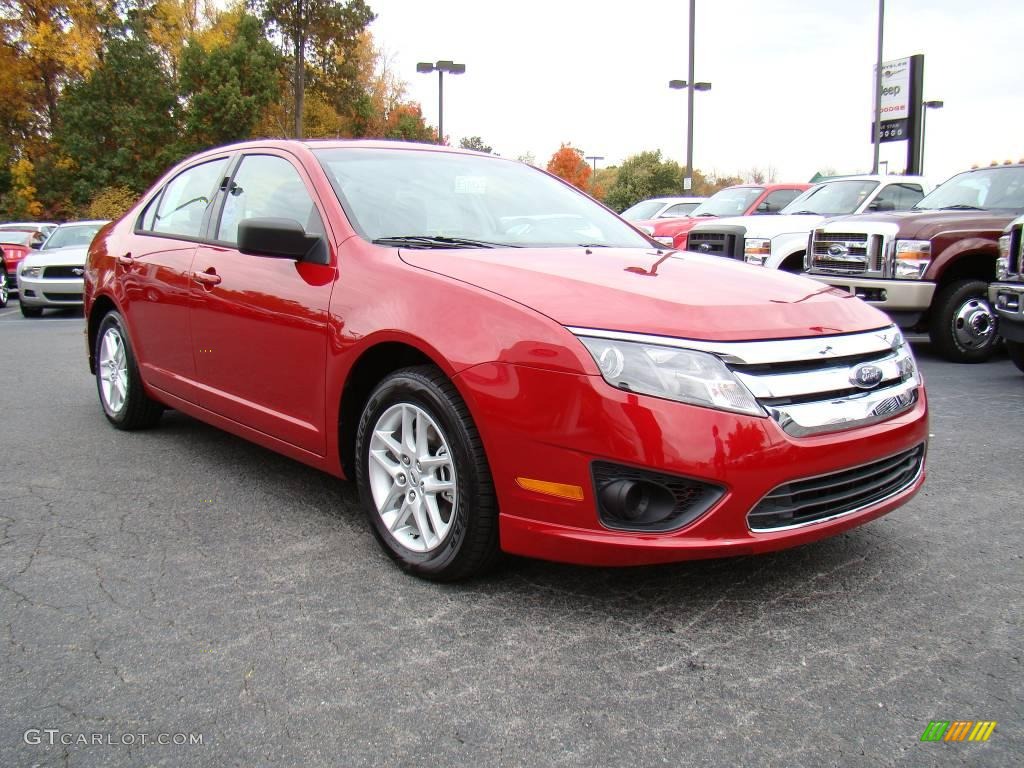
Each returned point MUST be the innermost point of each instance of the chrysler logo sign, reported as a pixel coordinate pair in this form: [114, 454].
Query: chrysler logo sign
[866, 376]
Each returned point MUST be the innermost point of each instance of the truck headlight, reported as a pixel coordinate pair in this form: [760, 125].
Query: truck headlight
[756, 250]
[912, 258]
[1003, 260]
[683, 375]
[30, 272]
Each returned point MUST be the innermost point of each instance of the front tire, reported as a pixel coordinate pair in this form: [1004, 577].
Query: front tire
[5, 289]
[1016, 351]
[122, 395]
[963, 325]
[423, 477]
[27, 311]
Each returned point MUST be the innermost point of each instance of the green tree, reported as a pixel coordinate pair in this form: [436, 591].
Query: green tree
[643, 176]
[226, 89]
[475, 143]
[322, 35]
[118, 127]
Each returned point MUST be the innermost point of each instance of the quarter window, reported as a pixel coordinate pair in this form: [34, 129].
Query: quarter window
[181, 208]
[902, 196]
[267, 186]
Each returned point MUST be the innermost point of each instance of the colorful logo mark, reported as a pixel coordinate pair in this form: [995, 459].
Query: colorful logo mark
[958, 730]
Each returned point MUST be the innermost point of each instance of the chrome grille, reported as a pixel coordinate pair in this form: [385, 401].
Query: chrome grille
[815, 499]
[841, 252]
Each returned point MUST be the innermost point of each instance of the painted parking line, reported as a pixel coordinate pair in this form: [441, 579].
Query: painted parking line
[8, 312]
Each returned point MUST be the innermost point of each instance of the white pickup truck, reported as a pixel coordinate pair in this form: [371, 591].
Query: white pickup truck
[780, 242]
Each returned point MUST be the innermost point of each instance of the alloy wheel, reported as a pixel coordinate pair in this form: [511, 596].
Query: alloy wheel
[113, 365]
[412, 477]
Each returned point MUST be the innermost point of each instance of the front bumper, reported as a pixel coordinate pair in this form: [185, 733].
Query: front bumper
[552, 426]
[1008, 301]
[51, 292]
[886, 295]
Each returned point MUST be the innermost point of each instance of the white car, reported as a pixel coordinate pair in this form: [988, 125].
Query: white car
[53, 275]
[780, 242]
[661, 208]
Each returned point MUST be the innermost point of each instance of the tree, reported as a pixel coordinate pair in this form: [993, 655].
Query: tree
[603, 181]
[118, 127]
[324, 31]
[528, 157]
[475, 143]
[642, 176]
[568, 163]
[227, 87]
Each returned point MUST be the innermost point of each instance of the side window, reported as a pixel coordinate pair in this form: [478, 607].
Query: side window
[901, 197]
[780, 198]
[267, 186]
[679, 209]
[179, 210]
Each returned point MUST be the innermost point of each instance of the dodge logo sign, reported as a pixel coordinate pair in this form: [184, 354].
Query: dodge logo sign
[838, 250]
[866, 376]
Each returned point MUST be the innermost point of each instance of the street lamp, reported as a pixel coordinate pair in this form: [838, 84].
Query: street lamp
[594, 159]
[924, 121]
[440, 67]
[691, 85]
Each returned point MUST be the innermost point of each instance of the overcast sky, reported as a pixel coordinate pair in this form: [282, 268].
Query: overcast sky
[792, 79]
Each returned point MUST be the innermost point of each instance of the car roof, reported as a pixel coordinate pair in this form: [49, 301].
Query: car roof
[84, 222]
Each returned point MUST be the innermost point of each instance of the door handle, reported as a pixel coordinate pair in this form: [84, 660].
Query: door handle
[208, 278]
[126, 260]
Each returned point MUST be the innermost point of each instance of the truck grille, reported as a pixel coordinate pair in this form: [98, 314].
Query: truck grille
[726, 241]
[840, 252]
[837, 493]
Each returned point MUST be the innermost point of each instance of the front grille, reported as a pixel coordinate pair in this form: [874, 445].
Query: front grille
[844, 252]
[726, 241]
[66, 297]
[63, 272]
[1016, 255]
[819, 498]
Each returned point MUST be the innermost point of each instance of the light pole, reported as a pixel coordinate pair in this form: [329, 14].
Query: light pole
[877, 138]
[594, 159]
[924, 122]
[690, 87]
[440, 67]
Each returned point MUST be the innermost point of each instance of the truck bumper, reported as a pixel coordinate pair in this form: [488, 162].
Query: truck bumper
[1008, 301]
[904, 301]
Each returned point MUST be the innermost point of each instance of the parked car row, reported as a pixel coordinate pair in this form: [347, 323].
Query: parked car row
[44, 270]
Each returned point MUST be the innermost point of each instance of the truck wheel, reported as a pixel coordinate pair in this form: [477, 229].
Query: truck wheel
[963, 325]
[1016, 351]
[423, 477]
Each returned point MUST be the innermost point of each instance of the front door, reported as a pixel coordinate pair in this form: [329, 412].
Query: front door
[259, 324]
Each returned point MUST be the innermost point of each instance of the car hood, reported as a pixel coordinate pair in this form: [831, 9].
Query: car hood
[668, 293]
[924, 225]
[73, 256]
[770, 226]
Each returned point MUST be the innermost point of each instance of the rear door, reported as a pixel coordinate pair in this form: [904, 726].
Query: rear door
[154, 269]
[259, 323]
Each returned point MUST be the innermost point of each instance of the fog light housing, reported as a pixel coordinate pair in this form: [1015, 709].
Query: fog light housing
[630, 499]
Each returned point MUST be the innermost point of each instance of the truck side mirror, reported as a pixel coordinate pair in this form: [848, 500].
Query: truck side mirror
[764, 207]
[882, 205]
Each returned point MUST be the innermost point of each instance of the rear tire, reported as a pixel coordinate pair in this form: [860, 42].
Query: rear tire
[29, 311]
[122, 395]
[963, 326]
[423, 477]
[1016, 351]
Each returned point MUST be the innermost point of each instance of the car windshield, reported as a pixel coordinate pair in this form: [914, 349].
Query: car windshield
[71, 235]
[15, 237]
[645, 209]
[833, 198]
[984, 189]
[728, 202]
[428, 199]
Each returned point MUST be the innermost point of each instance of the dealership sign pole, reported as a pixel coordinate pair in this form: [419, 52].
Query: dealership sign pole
[876, 126]
[900, 108]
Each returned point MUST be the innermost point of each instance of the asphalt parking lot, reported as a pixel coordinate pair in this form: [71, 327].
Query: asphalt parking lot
[183, 581]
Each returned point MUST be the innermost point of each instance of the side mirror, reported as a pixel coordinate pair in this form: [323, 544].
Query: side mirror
[764, 207]
[882, 205]
[282, 239]
[36, 245]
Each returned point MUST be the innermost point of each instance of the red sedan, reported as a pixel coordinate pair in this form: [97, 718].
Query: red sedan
[499, 362]
[14, 246]
[742, 200]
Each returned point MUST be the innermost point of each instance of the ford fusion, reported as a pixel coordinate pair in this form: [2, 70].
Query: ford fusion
[499, 362]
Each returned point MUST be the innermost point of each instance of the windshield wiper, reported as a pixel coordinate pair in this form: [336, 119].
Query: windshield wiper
[805, 213]
[438, 241]
[961, 207]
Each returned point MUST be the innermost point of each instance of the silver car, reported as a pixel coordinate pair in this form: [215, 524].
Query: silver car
[53, 275]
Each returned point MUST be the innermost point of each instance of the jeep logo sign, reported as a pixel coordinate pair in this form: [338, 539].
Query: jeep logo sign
[866, 376]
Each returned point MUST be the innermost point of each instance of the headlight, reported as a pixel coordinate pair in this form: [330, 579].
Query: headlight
[1004, 246]
[905, 358]
[675, 374]
[912, 258]
[756, 250]
[30, 272]
[1003, 261]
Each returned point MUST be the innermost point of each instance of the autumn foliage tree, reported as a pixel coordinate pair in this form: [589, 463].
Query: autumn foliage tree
[568, 164]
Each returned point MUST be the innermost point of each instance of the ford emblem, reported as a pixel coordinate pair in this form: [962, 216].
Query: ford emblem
[704, 247]
[838, 250]
[866, 376]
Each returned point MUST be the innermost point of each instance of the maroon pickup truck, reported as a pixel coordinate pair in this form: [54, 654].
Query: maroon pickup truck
[928, 268]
